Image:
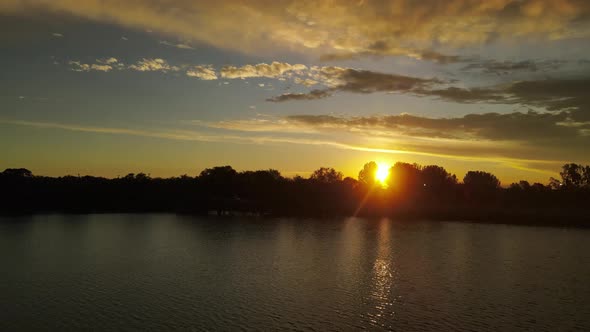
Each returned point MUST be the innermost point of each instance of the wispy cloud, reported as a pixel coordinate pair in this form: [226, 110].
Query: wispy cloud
[507, 67]
[177, 45]
[530, 127]
[511, 135]
[175, 135]
[382, 48]
[418, 148]
[57, 35]
[312, 95]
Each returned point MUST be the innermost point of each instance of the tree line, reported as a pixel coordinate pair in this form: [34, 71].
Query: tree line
[410, 191]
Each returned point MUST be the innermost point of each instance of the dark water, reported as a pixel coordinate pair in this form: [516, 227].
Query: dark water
[165, 272]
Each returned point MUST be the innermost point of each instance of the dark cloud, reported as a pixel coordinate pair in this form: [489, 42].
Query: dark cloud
[382, 48]
[554, 95]
[358, 81]
[517, 126]
[365, 81]
[440, 58]
[314, 94]
[466, 95]
[509, 67]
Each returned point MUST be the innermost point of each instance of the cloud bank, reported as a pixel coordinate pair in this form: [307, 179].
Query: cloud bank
[369, 27]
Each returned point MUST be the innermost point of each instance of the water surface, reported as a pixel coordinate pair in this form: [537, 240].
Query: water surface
[162, 272]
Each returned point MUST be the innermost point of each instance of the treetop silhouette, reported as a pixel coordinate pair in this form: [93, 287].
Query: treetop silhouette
[411, 191]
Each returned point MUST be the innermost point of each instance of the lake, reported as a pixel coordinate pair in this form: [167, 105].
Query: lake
[167, 272]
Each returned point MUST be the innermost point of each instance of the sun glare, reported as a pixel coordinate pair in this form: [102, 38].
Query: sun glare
[382, 173]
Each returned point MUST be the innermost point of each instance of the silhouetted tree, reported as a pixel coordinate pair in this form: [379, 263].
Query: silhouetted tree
[350, 182]
[482, 180]
[17, 173]
[554, 183]
[572, 175]
[326, 175]
[367, 174]
[586, 176]
[538, 187]
[481, 188]
[522, 185]
[219, 180]
[405, 177]
[414, 191]
[437, 177]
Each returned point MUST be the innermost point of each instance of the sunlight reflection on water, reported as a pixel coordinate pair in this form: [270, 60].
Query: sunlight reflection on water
[383, 278]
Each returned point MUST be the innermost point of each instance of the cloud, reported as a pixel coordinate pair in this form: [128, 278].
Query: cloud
[177, 45]
[331, 77]
[204, 72]
[108, 61]
[57, 35]
[552, 94]
[273, 70]
[165, 134]
[356, 81]
[104, 68]
[468, 95]
[381, 48]
[542, 136]
[104, 65]
[306, 81]
[365, 81]
[84, 67]
[156, 64]
[312, 95]
[463, 150]
[517, 126]
[508, 67]
[259, 124]
[336, 26]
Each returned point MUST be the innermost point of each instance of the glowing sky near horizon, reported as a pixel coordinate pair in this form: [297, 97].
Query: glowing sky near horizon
[171, 87]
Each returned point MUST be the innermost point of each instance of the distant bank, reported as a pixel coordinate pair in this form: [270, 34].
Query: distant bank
[412, 192]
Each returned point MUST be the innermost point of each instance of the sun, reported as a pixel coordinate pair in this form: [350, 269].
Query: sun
[382, 173]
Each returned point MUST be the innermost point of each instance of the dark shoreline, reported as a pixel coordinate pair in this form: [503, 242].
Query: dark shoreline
[414, 193]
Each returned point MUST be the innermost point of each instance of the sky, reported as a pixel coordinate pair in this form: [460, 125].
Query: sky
[170, 87]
